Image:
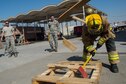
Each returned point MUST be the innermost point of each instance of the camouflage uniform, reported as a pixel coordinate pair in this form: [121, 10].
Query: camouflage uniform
[53, 32]
[8, 32]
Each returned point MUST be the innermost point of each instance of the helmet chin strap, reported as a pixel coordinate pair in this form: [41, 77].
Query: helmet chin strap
[93, 22]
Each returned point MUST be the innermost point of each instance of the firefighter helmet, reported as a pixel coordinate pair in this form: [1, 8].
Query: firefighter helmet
[94, 23]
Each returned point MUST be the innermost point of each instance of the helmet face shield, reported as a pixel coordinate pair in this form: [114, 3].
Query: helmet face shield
[95, 29]
[95, 26]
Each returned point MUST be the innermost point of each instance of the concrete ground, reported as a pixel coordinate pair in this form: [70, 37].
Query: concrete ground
[33, 58]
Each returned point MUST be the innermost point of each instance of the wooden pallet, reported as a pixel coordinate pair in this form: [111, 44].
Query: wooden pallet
[65, 72]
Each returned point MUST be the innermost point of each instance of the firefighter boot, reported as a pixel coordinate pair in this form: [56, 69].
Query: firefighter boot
[114, 68]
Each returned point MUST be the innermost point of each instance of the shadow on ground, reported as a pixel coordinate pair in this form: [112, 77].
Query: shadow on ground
[75, 58]
[106, 65]
[1, 55]
[49, 50]
[78, 58]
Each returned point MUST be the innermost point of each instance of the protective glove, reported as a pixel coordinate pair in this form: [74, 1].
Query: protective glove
[98, 46]
[111, 34]
[93, 52]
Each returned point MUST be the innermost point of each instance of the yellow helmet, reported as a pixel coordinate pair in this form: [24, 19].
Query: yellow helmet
[94, 23]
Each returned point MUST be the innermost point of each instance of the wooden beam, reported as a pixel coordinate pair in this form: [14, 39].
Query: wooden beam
[60, 66]
[77, 5]
[76, 81]
[46, 72]
[49, 79]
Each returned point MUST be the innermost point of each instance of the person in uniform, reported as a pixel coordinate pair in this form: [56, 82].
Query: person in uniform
[54, 30]
[8, 33]
[97, 26]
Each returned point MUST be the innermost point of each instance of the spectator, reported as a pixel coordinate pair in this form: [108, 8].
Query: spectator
[8, 33]
[54, 30]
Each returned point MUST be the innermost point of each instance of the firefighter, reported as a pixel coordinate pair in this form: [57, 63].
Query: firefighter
[98, 26]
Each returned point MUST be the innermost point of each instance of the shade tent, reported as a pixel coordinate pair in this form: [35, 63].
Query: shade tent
[56, 10]
[61, 11]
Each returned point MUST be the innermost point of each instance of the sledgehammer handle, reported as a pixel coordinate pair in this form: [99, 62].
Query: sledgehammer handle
[76, 18]
[88, 59]
[85, 63]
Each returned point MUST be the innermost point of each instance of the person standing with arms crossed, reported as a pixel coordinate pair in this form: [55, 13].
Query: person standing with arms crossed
[8, 33]
[54, 30]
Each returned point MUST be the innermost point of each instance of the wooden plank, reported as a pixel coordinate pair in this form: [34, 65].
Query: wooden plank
[76, 81]
[77, 62]
[96, 74]
[34, 81]
[46, 72]
[70, 62]
[49, 79]
[52, 73]
[67, 75]
[70, 66]
[50, 76]
[75, 6]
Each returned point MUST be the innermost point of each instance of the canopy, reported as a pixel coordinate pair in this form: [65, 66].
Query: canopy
[55, 10]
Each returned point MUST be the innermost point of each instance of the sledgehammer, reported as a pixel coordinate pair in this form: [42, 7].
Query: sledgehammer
[81, 68]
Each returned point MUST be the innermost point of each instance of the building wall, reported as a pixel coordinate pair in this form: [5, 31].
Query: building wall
[33, 33]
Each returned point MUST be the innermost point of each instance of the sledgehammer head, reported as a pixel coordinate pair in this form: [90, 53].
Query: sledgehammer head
[83, 72]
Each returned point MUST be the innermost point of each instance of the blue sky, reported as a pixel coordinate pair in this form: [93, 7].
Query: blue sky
[115, 9]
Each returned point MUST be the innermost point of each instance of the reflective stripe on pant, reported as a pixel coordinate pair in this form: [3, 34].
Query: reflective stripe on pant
[86, 56]
[89, 48]
[113, 57]
[112, 53]
[101, 41]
